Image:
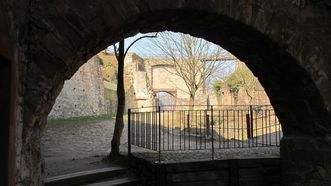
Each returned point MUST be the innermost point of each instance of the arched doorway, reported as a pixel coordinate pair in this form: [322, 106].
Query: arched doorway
[165, 100]
[253, 31]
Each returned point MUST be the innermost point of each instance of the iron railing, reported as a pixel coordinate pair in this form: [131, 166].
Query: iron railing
[203, 127]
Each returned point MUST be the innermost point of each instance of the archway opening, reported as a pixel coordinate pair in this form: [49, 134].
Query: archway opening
[293, 92]
[165, 100]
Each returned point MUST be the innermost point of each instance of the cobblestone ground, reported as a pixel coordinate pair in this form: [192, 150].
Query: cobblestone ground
[70, 147]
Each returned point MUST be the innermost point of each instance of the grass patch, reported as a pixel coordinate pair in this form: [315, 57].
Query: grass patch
[82, 119]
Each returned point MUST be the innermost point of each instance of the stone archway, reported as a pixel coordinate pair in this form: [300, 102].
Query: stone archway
[165, 99]
[277, 41]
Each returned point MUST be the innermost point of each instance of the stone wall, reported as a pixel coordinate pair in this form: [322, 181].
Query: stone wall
[218, 172]
[226, 97]
[285, 43]
[83, 94]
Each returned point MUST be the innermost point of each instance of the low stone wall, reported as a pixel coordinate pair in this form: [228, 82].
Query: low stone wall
[218, 172]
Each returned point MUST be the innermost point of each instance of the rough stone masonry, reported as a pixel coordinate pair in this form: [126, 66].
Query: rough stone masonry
[285, 43]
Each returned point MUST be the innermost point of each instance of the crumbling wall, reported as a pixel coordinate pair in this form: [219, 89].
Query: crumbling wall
[83, 94]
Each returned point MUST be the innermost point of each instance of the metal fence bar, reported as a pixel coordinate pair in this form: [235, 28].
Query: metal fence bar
[159, 111]
[129, 132]
[212, 132]
[196, 129]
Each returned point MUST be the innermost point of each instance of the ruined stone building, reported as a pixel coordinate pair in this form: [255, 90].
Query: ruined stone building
[92, 90]
[146, 77]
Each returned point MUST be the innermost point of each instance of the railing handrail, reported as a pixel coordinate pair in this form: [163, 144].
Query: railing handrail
[194, 106]
[245, 128]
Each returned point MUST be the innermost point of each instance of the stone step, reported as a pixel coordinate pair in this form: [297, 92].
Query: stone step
[116, 182]
[85, 176]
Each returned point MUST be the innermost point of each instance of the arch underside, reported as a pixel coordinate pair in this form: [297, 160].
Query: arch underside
[275, 39]
[70, 42]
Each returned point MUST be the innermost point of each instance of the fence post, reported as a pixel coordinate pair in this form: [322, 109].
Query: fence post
[251, 120]
[188, 121]
[248, 125]
[159, 109]
[207, 123]
[129, 132]
[212, 132]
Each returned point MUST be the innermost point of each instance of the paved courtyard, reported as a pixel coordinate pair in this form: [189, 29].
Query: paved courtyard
[69, 147]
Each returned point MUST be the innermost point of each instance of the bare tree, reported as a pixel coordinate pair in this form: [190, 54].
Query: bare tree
[193, 59]
[120, 54]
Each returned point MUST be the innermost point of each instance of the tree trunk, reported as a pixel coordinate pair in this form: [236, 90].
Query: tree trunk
[191, 102]
[119, 123]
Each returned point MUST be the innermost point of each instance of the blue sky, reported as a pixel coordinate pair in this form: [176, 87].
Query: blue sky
[144, 48]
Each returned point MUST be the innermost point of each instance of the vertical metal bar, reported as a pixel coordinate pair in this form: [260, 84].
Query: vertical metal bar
[227, 127]
[196, 129]
[184, 129]
[212, 132]
[219, 129]
[263, 141]
[180, 130]
[162, 114]
[137, 128]
[134, 129]
[234, 128]
[173, 130]
[267, 129]
[256, 128]
[238, 128]
[248, 126]
[276, 137]
[159, 134]
[145, 126]
[189, 129]
[251, 124]
[206, 127]
[152, 129]
[278, 131]
[155, 130]
[147, 130]
[168, 128]
[270, 128]
[223, 133]
[200, 123]
[242, 128]
[129, 132]
[143, 129]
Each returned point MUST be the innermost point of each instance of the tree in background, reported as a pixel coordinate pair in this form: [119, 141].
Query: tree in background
[242, 77]
[193, 59]
[217, 87]
[120, 54]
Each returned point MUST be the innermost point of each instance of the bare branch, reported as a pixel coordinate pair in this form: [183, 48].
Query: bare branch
[142, 37]
[188, 56]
